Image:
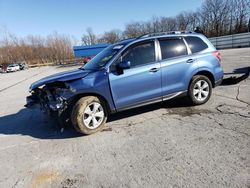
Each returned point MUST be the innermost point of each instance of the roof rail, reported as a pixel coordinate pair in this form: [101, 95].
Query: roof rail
[126, 39]
[164, 33]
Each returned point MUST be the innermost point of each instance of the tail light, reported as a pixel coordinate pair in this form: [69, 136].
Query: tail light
[217, 55]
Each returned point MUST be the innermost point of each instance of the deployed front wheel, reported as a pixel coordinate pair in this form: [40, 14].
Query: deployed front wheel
[89, 115]
[200, 89]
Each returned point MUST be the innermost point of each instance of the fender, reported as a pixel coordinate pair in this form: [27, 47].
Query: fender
[97, 84]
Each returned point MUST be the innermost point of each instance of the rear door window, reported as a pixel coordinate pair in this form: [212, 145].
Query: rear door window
[172, 47]
[196, 44]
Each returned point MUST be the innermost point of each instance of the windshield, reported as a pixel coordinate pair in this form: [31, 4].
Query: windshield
[101, 59]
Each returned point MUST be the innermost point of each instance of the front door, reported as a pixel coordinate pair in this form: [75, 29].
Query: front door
[142, 82]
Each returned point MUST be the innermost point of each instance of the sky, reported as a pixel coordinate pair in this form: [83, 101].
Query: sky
[73, 17]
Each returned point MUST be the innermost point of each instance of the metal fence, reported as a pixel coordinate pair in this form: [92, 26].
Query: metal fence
[231, 41]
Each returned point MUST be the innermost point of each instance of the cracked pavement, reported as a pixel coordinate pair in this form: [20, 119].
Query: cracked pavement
[169, 144]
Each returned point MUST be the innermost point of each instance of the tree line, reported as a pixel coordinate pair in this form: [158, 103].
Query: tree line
[32, 49]
[214, 18]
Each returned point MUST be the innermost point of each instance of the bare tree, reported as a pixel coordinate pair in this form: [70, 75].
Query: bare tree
[183, 20]
[89, 38]
[111, 36]
[241, 15]
[215, 16]
[135, 29]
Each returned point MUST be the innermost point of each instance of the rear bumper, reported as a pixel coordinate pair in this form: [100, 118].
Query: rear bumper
[218, 82]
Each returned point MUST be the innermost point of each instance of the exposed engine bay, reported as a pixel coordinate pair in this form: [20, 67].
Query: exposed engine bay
[50, 97]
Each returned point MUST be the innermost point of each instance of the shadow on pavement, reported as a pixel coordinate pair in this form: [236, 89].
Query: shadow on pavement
[234, 79]
[174, 103]
[32, 122]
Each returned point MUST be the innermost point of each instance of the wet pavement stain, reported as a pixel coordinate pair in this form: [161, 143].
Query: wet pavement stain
[69, 183]
[77, 180]
[45, 178]
[107, 129]
[186, 112]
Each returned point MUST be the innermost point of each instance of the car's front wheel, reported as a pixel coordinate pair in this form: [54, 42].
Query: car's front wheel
[200, 89]
[89, 115]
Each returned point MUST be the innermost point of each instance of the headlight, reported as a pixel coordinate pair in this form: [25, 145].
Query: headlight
[60, 91]
[70, 87]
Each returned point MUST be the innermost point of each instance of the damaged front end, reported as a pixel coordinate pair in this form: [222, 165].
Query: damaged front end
[54, 98]
[53, 92]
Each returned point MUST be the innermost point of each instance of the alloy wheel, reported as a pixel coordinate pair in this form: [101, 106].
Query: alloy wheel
[93, 115]
[201, 90]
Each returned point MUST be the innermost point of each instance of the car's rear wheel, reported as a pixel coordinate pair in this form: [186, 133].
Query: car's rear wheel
[89, 115]
[200, 89]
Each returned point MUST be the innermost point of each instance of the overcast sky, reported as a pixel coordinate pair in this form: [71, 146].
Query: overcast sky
[42, 17]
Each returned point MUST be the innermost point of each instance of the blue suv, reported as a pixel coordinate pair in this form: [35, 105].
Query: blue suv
[131, 73]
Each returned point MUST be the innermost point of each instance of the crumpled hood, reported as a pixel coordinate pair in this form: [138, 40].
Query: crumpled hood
[63, 76]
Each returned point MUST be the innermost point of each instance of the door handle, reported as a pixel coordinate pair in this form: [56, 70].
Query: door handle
[190, 60]
[154, 69]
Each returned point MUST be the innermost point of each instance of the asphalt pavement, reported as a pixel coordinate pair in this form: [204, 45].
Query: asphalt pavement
[170, 144]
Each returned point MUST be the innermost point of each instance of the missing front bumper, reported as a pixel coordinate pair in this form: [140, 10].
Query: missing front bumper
[59, 104]
[30, 101]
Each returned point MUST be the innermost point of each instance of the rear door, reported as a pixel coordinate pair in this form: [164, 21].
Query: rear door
[142, 82]
[176, 64]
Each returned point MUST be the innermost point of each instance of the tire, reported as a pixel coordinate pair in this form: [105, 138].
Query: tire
[85, 118]
[200, 89]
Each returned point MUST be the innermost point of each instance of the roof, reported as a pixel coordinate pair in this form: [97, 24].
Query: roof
[158, 35]
[126, 41]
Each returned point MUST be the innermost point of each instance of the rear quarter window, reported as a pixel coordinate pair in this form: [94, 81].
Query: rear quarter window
[196, 44]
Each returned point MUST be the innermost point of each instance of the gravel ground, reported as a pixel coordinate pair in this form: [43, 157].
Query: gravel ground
[168, 144]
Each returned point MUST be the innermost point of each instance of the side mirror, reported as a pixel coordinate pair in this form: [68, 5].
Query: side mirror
[123, 65]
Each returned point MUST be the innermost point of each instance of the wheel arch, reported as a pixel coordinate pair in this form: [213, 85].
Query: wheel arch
[102, 98]
[207, 74]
